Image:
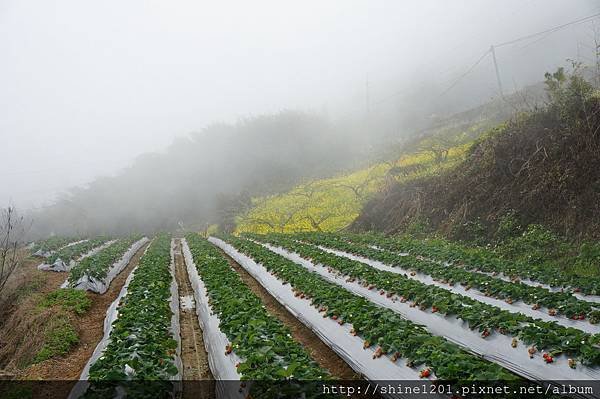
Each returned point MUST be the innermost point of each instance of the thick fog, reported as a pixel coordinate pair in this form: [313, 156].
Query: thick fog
[89, 87]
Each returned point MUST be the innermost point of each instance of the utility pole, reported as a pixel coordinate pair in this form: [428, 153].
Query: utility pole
[367, 100]
[493, 51]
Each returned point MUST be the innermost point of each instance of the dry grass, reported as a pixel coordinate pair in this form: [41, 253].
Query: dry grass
[542, 167]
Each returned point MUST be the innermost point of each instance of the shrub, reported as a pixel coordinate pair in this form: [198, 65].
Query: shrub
[509, 226]
[59, 338]
[587, 262]
[69, 299]
[419, 226]
[473, 231]
[536, 244]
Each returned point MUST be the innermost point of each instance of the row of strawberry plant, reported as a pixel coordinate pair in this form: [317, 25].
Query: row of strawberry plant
[50, 244]
[563, 303]
[141, 343]
[541, 335]
[376, 325]
[264, 344]
[98, 265]
[479, 259]
[74, 251]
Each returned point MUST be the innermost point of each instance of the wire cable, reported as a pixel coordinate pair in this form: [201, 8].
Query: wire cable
[551, 30]
[468, 71]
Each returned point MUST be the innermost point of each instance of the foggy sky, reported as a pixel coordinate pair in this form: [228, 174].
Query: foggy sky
[86, 86]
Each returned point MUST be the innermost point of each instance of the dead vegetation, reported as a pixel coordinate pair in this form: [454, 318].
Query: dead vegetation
[543, 165]
[11, 234]
[25, 333]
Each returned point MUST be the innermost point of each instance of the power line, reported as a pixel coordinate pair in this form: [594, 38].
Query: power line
[551, 30]
[545, 32]
[519, 39]
[461, 77]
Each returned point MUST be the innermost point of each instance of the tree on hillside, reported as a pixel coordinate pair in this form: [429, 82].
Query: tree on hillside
[439, 147]
[230, 206]
[361, 187]
[11, 234]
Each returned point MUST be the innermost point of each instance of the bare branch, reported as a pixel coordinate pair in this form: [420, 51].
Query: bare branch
[11, 234]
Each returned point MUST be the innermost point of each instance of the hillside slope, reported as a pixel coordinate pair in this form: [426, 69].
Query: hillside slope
[332, 204]
[542, 167]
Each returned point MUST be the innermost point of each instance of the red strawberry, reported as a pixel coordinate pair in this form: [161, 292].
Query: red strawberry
[377, 353]
[425, 373]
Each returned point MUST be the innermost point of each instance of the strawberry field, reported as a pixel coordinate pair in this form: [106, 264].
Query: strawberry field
[388, 308]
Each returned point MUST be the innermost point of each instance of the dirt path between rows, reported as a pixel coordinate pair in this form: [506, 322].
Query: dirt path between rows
[319, 351]
[193, 352]
[91, 330]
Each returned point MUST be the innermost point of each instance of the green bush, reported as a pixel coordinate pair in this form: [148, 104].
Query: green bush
[59, 338]
[69, 299]
[536, 244]
[419, 226]
[509, 226]
[587, 262]
[472, 231]
[568, 92]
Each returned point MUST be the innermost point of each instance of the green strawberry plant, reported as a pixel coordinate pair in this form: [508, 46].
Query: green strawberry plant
[264, 344]
[72, 252]
[481, 259]
[52, 244]
[394, 335]
[558, 302]
[548, 336]
[98, 265]
[141, 346]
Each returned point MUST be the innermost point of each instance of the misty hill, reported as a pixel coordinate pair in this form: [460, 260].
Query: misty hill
[333, 203]
[224, 172]
[542, 167]
[186, 182]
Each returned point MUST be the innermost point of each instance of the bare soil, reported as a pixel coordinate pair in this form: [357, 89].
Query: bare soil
[193, 352]
[319, 351]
